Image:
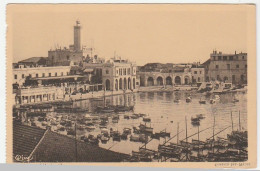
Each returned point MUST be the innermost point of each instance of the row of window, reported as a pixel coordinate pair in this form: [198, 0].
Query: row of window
[228, 66]
[225, 58]
[196, 72]
[42, 75]
[242, 78]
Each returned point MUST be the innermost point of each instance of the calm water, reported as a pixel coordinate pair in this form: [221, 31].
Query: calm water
[165, 114]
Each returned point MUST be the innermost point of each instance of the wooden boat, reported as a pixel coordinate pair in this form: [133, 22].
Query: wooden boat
[90, 127]
[202, 102]
[146, 119]
[134, 137]
[93, 140]
[212, 101]
[123, 108]
[146, 129]
[235, 100]
[127, 131]
[188, 99]
[104, 139]
[176, 101]
[126, 117]
[200, 116]
[134, 116]
[116, 136]
[124, 136]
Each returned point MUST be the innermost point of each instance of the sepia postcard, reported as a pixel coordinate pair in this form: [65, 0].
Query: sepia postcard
[144, 85]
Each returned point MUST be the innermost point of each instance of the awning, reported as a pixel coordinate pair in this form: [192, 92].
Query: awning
[58, 77]
[88, 70]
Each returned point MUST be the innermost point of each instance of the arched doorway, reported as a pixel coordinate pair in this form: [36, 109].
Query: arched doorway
[125, 84]
[129, 83]
[107, 84]
[186, 80]
[169, 80]
[159, 81]
[177, 80]
[120, 84]
[150, 81]
[133, 83]
[116, 84]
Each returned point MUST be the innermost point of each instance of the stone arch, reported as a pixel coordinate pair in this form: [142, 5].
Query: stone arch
[129, 83]
[177, 80]
[107, 84]
[125, 83]
[116, 84]
[150, 81]
[186, 80]
[120, 84]
[159, 80]
[168, 80]
[133, 83]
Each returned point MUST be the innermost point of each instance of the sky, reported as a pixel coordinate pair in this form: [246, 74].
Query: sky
[140, 33]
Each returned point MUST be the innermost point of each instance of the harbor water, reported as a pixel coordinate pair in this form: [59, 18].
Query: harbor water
[166, 114]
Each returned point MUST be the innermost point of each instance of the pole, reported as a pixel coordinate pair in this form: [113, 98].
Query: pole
[76, 148]
[177, 133]
[232, 121]
[199, 140]
[186, 138]
[213, 142]
[239, 122]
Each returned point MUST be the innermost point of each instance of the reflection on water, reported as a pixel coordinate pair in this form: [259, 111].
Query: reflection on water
[166, 114]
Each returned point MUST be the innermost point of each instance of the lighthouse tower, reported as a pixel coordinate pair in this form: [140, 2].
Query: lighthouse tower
[77, 46]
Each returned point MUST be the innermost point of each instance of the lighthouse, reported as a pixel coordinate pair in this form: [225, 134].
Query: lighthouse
[77, 46]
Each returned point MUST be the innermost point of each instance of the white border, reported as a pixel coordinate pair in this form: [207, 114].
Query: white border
[3, 26]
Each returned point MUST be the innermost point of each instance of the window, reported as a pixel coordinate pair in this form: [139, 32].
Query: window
[245, 66]
[218, 78]
[243, 57]
[214, 58]
[237, 66]
[15, 76]
[49, 74]
[228, 66]
[195, 72]
[200, 72]
[61, 73]
[37, 75]
[30, 75]
[231, 58]
[216, 66]
[198, 79]
[128, 71]
[107, 72]
[67, 73]
[68, 57]
[224, 58]
[22, 75]
[219, 57]
[43, 74]
[233, 78]
[56, 74]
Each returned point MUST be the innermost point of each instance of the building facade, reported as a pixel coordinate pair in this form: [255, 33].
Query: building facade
[198, 74]
[165, 74]
[119, 75]
[21, 73]
[230, 68]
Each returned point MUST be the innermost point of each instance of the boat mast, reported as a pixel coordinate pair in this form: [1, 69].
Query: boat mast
[76, 144]
[177, 133]
[198, 140]
[232, 121]
[213, 143]
[186, 138]
[239, 122]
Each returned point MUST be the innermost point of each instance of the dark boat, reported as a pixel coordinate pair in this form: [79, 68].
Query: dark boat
[188, 99]
[116, 136]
